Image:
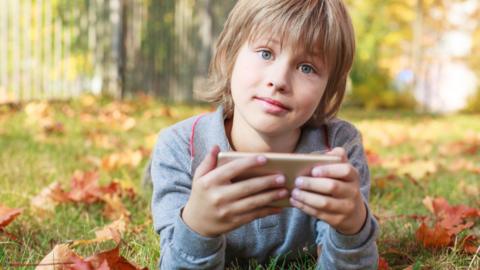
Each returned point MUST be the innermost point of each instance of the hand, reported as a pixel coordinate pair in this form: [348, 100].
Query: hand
[333, 195]
[217, 206]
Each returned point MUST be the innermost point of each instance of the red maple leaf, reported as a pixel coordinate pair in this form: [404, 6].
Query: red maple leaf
[449, 221]
[433, 238]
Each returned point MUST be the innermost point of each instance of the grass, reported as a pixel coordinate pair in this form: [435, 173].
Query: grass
[406, 143]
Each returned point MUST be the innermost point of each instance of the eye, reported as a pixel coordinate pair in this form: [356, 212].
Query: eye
[266, 55]
[307, 69]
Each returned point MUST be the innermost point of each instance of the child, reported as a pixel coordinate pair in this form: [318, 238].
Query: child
[279, 74]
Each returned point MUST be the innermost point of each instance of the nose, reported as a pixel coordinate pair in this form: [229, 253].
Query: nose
[278, 76]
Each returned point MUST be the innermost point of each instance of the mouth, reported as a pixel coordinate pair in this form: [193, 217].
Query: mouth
[274, 103]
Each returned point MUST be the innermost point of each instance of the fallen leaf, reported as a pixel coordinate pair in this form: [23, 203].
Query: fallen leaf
[85, 187]
[44, 203]
[433, 238]
[128, 123]
[112, 259]
[113, 231]
[372, 157]
[428, 203]
[449, 221]
[470, 244]
[419, 169]
[7, 215]
[382, 264]
[471, 190]
[128, 158]
[114, 208]
[60, 258]
[63, 258]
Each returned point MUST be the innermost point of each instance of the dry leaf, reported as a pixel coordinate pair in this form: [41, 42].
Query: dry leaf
[60, 258]
[433, 238]
[419, 169]
[113, 231]
[470, 244]
[450, 220]
[128, 123]
[63, 258]
[428, 203]
[44, 203]
[114, 208]
[7, 215]
[382, 264]
[128, 158]
[110, 259]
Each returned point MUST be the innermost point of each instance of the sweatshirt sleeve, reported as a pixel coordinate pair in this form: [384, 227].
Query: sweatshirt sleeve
[181, 248]
[357, 251]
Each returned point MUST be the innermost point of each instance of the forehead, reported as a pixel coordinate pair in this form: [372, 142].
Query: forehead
[288, 44]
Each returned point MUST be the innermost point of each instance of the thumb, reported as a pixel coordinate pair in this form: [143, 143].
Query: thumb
[208, 163]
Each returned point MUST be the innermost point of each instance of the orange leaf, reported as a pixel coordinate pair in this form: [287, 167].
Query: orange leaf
[453, 218]
[433, 238]
[85, 187]
[63, 258]
[470, 244]
[112, 258]
[382, 264]
[372, 157]
[7, 215]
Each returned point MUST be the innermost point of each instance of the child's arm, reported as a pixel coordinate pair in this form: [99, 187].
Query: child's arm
[338, 195]
[192, 216]
[181, 248]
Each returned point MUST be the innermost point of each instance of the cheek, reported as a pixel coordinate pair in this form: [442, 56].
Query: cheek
[245, 73]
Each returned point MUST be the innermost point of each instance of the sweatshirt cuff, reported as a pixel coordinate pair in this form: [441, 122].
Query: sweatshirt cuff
[192, 243]
[356, 240]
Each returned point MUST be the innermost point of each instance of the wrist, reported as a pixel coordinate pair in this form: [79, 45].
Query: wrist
[189, 220]
[357, 222]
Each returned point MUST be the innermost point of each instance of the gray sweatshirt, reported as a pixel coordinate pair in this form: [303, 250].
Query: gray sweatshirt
[291, 234]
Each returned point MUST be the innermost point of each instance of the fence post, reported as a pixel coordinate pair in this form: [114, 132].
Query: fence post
[4, 94]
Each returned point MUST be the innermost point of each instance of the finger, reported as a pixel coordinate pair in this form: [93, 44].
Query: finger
[340, 171]
[227, 172]
[254, 185]
[312, 211]
[339, 152]
[208, 163]
[257, 201]
[326, 186]
[321, 202]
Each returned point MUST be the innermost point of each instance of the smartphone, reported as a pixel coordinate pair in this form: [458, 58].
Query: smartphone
[288, 164]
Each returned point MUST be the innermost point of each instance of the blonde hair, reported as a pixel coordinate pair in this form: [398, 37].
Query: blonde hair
[319, 25]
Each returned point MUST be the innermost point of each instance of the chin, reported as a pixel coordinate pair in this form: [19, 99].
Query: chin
[269, 128]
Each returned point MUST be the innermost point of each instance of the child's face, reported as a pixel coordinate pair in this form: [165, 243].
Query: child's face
[276, 90]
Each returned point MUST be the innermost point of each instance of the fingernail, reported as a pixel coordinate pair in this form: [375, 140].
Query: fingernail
[282, 193]
[299, 181]
[280, 179]
[317, 171]
[296, 194]
[261, 159]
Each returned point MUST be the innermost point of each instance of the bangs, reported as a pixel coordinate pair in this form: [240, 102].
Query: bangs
[302, 26]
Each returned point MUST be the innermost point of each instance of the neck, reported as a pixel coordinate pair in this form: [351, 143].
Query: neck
[248, 140]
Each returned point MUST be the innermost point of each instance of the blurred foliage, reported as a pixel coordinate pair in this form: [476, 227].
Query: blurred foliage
[473, 104]
[168, 52]
[379, 38]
